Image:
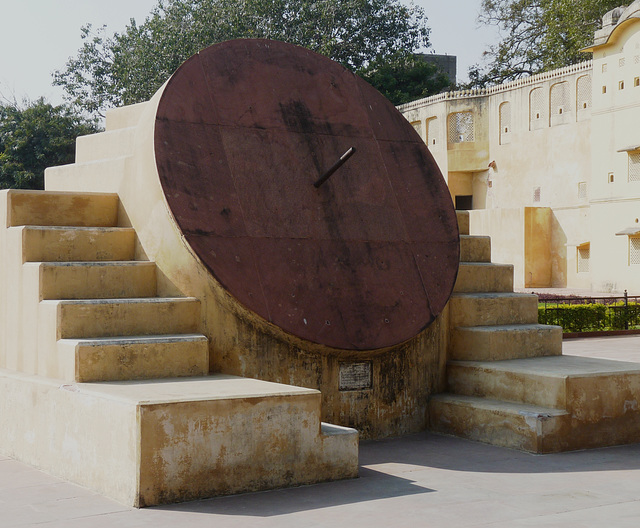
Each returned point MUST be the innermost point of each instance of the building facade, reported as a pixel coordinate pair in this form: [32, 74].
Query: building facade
[549, 165]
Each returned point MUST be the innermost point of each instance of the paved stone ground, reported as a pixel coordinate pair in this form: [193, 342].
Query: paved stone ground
[421, 480]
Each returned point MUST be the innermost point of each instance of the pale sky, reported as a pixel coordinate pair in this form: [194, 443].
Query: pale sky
[38, 36]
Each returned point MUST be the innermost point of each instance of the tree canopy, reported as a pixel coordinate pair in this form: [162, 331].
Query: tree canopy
[405, 78]
[537, 36]
[35, 136]
[129, 67]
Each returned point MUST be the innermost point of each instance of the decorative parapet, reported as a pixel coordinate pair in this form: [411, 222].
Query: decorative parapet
[483, 92]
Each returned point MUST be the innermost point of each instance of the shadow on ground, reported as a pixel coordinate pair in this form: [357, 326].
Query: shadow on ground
[386, 468]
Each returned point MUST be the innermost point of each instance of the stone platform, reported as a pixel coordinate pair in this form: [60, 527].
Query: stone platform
[153, 442]
[106, 383]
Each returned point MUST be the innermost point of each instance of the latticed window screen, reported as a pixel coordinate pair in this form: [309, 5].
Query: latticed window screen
[536, 106]
[505, 121]
[560, 98]
[584, 92]
[582, 190]
[584, 254]
[634, 251]
[634, 166]
[461, 127]
[417, 125]
[432, 131]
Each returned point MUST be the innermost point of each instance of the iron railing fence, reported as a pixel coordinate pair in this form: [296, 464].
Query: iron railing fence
[590, 314]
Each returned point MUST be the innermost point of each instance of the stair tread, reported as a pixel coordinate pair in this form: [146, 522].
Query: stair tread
[100, 229]
[142, 339]
[180, 390]
[491, 295]
[524, 327]
[499, 405]
[94, 263]
[484, 237]
[487, 264]
[126, 300]
[556, 366]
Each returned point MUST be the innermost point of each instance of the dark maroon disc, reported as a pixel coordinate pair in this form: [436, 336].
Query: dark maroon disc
[243, 131]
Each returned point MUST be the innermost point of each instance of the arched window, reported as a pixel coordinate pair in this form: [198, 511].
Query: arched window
[433, 131]
[505, 123]
[417, 126]
[536, 109]
[583, 97]
[559, 103]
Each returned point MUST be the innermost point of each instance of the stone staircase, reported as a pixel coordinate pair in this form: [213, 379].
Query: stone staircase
[507, 381]
[106, 383]
[95, 302]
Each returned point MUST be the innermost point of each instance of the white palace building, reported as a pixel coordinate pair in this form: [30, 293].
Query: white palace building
[549, 165]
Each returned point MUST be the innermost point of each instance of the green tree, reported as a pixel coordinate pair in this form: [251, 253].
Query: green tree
[405, 78]
[538, 35]
[35, 136]
[129, 67]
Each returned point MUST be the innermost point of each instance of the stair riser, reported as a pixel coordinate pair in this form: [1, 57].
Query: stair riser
[75, 245]
[507, 386]
[105, 145]
[116, 362]
[593, 398]
[98, 176]
[463, 222]
[484, 278]
[473, 344]
[62, 209]
[97, 282]
[499, 310]
[109, 319]
[517, 431]
[475, 249]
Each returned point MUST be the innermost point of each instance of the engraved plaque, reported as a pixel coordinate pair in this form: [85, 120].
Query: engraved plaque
[355, 376]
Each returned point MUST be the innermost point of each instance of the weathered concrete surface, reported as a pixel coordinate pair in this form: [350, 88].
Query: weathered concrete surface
[484, 308]
[484, 343]
[484, 277]
[475, 248]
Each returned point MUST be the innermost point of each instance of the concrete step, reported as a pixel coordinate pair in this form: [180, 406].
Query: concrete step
[484, 309]
[526, 427]
[475, 248]
[105, 145]
[93, 280]
[125, 116]
[103, 175]
[149, 442]
[61, 243]
[491, 343]
[590, 389]
[133, 357]
[53, 208]
[484, 277]
[89, 318]
[463, 222]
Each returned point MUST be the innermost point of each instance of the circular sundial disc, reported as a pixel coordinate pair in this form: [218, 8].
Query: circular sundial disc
[365, 261]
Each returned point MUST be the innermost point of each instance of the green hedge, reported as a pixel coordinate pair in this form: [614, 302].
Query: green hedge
[590, 317]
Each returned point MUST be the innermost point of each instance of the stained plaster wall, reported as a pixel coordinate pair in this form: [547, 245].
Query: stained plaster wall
[615, 205]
